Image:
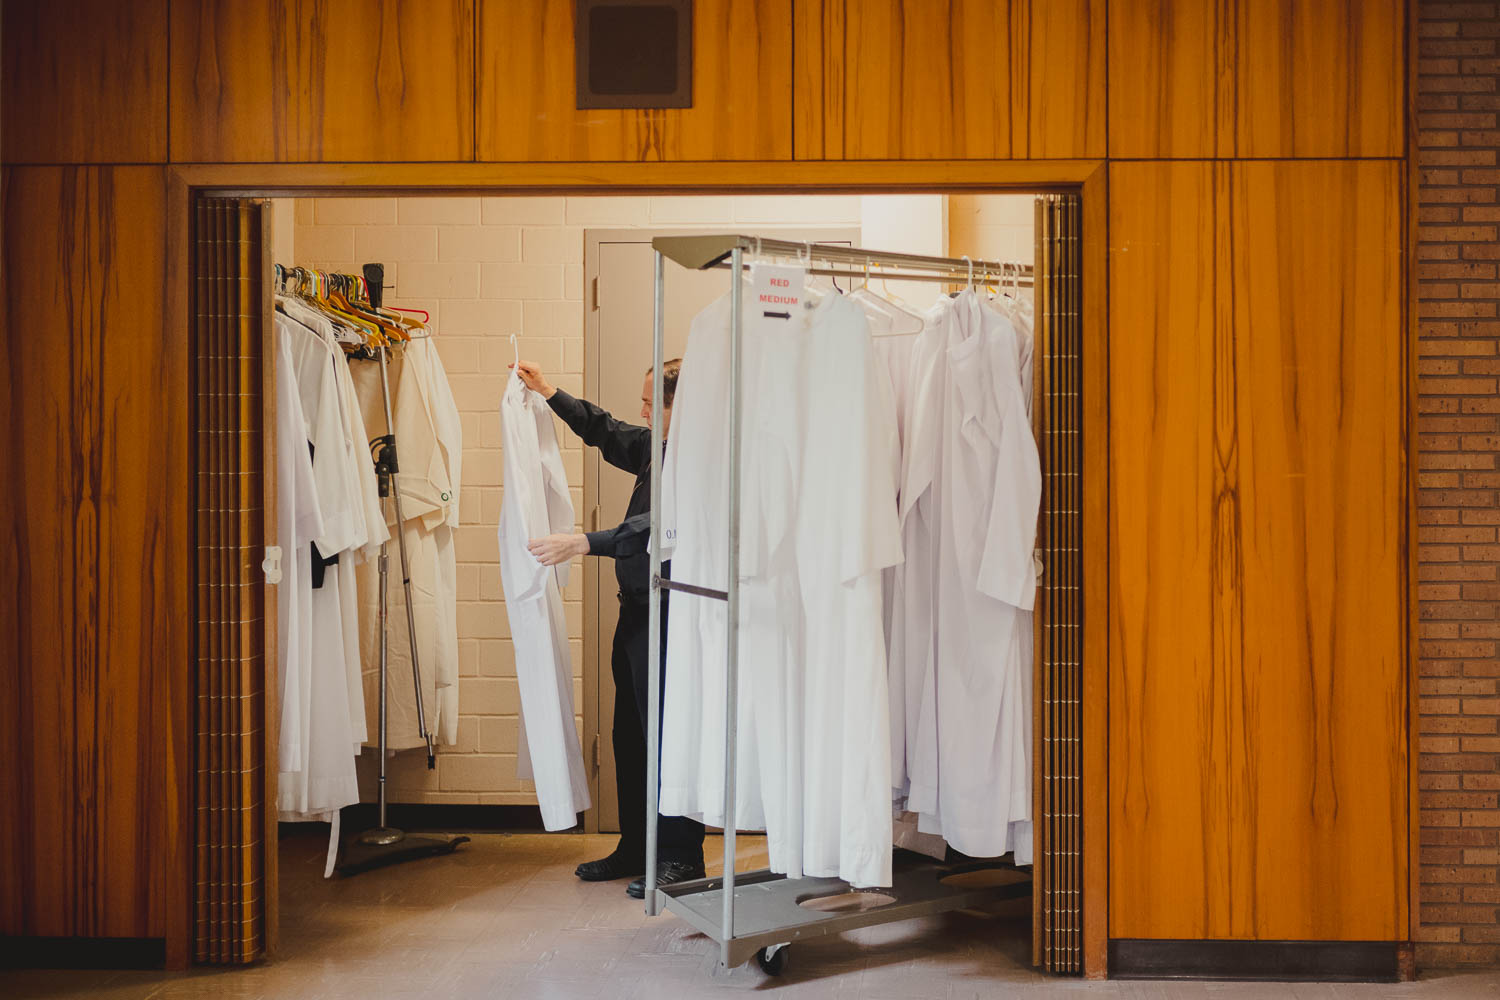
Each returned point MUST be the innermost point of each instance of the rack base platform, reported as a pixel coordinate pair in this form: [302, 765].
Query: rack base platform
[768, 908]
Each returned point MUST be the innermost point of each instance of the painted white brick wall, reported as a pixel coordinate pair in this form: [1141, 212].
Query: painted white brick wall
[488, 267]
[995, 227]
[485, 268]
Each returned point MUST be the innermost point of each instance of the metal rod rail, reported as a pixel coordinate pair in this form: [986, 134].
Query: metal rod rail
[700, 252]
[729, 251]
[1024, 281]
[688, 588]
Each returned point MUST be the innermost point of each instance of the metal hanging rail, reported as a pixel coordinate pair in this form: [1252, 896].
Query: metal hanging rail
[769, 903]
[702, 252]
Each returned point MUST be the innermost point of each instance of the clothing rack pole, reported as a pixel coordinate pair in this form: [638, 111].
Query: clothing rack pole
[384, 844]
[411, 616]
[653, 620]
[732, 629]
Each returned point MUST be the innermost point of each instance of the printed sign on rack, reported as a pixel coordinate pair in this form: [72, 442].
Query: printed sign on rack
[776, 291]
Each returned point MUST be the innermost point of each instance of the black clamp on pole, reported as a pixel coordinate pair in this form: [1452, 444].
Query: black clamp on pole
[375, 278]
[383, 452]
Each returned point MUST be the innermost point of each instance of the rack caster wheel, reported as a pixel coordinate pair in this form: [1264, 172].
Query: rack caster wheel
[772, 960]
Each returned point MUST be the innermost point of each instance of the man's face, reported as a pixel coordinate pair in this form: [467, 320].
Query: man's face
[666, 412]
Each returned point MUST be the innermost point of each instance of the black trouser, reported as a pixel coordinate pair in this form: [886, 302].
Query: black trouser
[678, 838]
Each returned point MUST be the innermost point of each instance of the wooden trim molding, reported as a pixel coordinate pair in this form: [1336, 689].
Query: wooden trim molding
[351, 179]
[1085, 176]
[1096, 628]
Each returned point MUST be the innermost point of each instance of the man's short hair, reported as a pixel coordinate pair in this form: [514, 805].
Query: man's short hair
[669, 372]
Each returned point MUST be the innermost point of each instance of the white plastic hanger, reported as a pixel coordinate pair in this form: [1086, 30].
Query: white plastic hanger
[903, 321]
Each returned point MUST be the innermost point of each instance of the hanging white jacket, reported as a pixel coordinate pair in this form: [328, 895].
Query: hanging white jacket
[536, 502]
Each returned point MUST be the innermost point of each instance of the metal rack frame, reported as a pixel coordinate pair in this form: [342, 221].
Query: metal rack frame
[770, 902]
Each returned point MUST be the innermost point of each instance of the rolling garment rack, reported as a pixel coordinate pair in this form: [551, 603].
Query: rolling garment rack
[758, 914]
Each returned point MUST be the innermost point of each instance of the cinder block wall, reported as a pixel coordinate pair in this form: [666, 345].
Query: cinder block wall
[1458, 359]
[485, 268]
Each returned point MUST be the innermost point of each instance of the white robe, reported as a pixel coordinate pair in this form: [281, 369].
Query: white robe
[316, 768]
[820, 524]
[694, 524]
[971, 759]
[847, 534]
[536, 502]
[425, 494]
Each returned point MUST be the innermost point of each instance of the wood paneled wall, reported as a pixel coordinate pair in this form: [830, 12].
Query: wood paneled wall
[1257, 79]
[93, 612]
[277, 80]
[1255, 445]
[83, 81]
[950, 79]
[456, 80]
[1258, 682]
[742, 89]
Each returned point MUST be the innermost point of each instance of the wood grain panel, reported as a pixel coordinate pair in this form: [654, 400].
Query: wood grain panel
[95, 554]
[85, 81]
[930, 80]
[1253, 78]
[308, 80]
[1067, 104]
[742, 89]
[818, 79]
[964, 79]
[1319, 726]
[1258, 714]
[1170, 480]
[1318, 79]
[1164, 80]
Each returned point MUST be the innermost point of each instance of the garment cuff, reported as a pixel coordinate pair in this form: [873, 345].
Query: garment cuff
[601, 543]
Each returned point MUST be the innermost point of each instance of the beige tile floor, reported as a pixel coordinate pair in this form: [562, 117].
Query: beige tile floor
[504, 917]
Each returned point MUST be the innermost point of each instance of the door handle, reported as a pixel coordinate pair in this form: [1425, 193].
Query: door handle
[594, 518]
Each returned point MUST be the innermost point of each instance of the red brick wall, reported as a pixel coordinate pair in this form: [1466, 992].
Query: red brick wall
[1458, 364]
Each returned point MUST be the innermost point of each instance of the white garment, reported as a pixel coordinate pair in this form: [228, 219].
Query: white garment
[425, 494]
[694, 522]
[369, 528]
[316, 763]
[971, 769]
[447, 429]
[847, 533]
[536, 502]
[912, 648]
[819, 525]
[338, 455]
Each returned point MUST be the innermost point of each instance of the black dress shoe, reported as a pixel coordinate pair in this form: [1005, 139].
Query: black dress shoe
[608, 869]
[667, 873]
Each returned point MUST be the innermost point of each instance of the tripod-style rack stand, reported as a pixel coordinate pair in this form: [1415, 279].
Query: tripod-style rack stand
[384, 844]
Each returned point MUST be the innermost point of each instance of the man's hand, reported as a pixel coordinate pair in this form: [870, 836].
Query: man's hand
[534, 379]
[554, 549]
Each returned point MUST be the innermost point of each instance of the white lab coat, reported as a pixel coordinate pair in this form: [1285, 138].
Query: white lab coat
[536, 502]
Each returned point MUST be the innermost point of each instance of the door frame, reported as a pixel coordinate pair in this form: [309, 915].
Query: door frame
[1089, 178]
